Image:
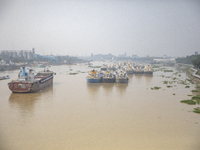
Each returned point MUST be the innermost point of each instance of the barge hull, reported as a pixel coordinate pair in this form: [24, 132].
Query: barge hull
[93, 80]
[122, 80]
[108, 80]
[29, 87]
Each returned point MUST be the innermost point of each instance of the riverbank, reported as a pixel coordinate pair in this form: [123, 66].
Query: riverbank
[9, 67]
[193, 76]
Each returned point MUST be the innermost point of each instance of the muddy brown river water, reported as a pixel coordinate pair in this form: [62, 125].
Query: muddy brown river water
[76, 115]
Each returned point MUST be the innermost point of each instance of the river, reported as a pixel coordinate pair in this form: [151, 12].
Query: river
[76, 115]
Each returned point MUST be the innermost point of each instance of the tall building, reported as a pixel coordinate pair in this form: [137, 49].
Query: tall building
[27, 54]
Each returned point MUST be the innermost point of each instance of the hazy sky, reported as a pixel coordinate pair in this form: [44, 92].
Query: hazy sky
[82, 27]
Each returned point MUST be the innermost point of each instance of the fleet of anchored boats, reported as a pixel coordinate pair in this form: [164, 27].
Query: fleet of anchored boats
[117, 73]
[28, 81]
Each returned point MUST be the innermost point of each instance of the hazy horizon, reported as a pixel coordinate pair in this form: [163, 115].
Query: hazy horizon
[79, 28]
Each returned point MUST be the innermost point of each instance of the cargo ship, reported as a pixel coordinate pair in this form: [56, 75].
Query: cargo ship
[129, 69]
[148, 70]
[122, 77]
[94, 77]
[108, 78]
[29, 82]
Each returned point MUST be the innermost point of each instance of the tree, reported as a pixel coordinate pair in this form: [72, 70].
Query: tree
[196, 62]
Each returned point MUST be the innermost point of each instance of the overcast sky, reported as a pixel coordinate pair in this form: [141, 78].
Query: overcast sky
[82, 27]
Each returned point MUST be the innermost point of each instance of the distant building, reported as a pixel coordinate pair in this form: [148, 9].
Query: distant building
[92, 55]
[122, 55]
[27, 54]
[134, 56]
[102, 56]
[196, 53]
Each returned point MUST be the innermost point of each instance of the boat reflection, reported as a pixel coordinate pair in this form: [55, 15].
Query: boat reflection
[148, 78]
[25, 102]
[121, 88]
[130, 76]
[93, 89]
[108, 87]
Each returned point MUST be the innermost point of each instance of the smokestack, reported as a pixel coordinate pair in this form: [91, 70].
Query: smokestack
[23, 72]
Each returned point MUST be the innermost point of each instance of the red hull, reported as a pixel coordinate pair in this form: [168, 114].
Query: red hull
[27, 87]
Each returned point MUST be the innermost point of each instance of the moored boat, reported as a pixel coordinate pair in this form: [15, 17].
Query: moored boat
[28, 82]
[148, 70]
[129, 69]
[94, 77]
[5, 77]
[104, 67]
[108, 77]
[138, 70]
[111, 67]
[122, 77]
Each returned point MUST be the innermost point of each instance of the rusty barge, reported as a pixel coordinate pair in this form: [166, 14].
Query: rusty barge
[29, 82]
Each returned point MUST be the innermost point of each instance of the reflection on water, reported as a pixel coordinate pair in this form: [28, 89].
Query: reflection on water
[148, 78]
[97, 89]
[93, 89]
[26, 101]
[138, 77]
[108, 87]
[121, 88]
[74, 114]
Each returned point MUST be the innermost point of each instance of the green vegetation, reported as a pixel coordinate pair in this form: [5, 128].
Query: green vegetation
[197, 98]
[189, 80]
[169, 86]
[187, 87]
[198, 72]
[189, 102]
[168, 70]
[182, 82]
[95, 66]
[162, 76]
[72, 73]
[197, 110]
[156, 88]
[174, 78]
[175, 73]
[189, 95]
[194, 91]
[165, 82]
[156, 67]
[186, 60]
[173, 93]
[196, 61]
[193, 101]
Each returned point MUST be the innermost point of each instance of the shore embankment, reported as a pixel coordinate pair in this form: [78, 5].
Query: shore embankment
[193, 75]
[9, 67]
[193, 72]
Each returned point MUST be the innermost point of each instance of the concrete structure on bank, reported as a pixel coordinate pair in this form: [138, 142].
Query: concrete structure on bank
[27, 54]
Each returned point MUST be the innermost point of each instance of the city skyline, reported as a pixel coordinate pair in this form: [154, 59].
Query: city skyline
[79, 28]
